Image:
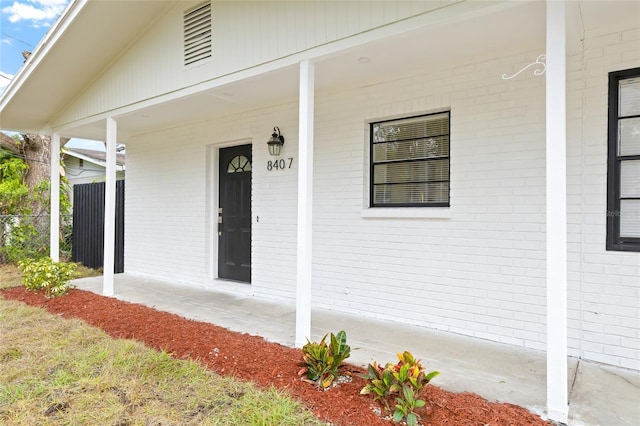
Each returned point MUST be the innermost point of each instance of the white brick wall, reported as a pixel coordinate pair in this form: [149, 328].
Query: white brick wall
[169, 214]
[480, 272]
[604, 286]
[466, 274]
[165, 211]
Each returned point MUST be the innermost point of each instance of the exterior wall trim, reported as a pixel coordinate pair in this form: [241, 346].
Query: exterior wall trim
[556, 214]
[406, 213]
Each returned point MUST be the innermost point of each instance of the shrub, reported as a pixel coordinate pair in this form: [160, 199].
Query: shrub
[403, 382]
[322, 360]
[24, 241]
[45, 274]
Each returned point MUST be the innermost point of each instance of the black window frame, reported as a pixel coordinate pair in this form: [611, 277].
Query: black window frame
[615, 242]
[372, 164]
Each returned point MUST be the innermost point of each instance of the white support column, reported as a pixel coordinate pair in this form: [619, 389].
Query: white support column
[54, 212]
[557, 394]
[305, 203]
[110, 208]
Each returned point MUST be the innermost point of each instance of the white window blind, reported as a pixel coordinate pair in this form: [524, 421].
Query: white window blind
[410, 161]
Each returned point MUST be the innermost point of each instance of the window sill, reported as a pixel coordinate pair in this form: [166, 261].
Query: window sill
[628, 247]
[406, 213]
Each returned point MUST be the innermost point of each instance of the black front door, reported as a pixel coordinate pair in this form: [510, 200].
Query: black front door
[234, 214]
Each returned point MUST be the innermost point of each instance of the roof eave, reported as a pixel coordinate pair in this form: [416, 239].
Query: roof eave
[39, 53]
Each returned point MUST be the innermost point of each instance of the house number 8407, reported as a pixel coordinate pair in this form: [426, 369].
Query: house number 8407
[279, 164]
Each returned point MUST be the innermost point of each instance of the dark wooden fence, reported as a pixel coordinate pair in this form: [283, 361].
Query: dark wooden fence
[88, 225]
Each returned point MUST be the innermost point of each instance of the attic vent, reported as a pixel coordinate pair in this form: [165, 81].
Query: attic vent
[197, 33]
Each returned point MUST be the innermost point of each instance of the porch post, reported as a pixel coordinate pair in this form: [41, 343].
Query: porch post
[54, 209]
[110, 208]
[556, 174]
[305, 203]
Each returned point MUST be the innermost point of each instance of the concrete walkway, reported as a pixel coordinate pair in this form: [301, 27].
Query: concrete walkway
[599, 395]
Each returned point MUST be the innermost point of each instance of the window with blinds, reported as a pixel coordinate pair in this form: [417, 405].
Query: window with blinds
[197, 34]
[623, 185]
[410, 162]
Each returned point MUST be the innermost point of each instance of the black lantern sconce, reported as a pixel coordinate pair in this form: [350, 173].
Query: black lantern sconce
[275, 143]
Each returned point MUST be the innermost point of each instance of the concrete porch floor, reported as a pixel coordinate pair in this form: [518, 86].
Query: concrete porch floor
[598, 394]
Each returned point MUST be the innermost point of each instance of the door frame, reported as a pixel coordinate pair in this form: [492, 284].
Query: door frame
[212, 204]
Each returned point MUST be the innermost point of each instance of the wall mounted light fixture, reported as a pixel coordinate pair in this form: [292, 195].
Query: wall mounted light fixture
[275, 143]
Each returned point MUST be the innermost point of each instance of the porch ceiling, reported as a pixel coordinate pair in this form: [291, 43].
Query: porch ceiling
[519, 26]
[499, 29]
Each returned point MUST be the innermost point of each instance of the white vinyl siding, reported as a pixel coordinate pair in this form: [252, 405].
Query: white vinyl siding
[255, 33]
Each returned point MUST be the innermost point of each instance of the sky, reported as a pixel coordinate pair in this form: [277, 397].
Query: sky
[23, 23]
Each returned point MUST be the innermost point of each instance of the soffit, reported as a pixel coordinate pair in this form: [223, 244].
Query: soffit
[66, 62]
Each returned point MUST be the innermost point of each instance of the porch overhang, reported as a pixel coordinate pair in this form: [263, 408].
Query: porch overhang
[79, 46]
[444, 36]
[458, 32]
[495, 28]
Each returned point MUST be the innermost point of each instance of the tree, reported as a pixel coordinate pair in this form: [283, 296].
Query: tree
[24, 196]
[35, 151]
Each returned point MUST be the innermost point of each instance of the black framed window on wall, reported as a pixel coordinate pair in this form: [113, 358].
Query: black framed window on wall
[410, 161]
[623, 180]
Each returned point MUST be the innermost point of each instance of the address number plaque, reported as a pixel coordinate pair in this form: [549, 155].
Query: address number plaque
[280, 164]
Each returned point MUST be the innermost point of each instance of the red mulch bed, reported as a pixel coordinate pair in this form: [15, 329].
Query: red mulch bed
[252, 358]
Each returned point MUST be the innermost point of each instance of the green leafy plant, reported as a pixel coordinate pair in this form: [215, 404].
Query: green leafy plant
[406, 404]
[14, 193]
[24, 241]
[25, 209]
[401, 383]
[45, 274]
[322, 360]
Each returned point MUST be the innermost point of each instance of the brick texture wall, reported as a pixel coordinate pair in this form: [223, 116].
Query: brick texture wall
[478, 272]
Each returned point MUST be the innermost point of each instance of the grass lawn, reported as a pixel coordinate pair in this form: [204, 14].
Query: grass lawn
[57, 371]
[10, 275]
